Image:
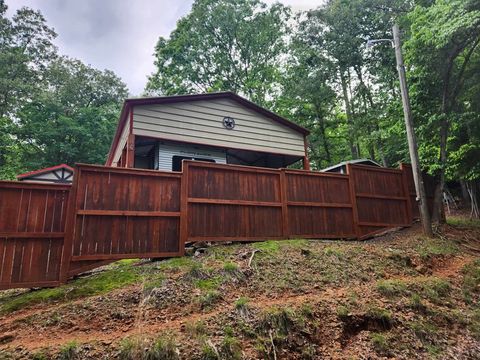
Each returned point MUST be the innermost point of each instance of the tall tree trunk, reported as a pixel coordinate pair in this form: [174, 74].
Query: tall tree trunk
[348, 109]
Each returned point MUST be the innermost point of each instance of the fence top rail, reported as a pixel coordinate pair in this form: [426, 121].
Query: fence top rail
[231, 167]
[34, 185]
[374, 168]
[130, 171]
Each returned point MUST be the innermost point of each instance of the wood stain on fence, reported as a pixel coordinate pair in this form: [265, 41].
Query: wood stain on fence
[49, 233]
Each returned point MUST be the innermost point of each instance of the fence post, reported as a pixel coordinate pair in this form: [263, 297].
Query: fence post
[353, 199]
[70, 223]
[407, 195]
[284, 200]
[183, 233]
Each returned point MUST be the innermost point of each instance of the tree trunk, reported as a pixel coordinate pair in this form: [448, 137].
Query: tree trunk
[348, 109]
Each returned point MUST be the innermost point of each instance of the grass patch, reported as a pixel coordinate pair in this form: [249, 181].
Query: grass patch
[69, 351]
[471, 281]
[230, 267]
[429, 248]
[196, 329]
[268, 247]
[424, 331]
[103, 282]
[463, 222]
[391, 288]
[209, 299]
[208, 284]
[163, 348]
[379, 342]
[177, 262]
[333, 251]
[436, 289]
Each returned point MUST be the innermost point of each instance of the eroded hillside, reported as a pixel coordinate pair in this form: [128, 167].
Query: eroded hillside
[400, 295]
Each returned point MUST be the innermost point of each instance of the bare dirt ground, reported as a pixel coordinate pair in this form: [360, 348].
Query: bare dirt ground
[397, 296]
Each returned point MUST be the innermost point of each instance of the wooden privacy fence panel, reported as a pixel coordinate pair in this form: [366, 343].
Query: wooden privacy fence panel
[123, 213]
[319, 205]
[32, 225]
[225, 202]
[382, 200]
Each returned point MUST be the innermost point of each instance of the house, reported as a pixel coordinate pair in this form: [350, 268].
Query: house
[342, 167]
[159, 132]
[55, 174]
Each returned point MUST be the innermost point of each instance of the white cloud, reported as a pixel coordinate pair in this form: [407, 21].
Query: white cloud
[119, 35]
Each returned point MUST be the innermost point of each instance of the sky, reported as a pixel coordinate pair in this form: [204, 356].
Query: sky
[119, 35]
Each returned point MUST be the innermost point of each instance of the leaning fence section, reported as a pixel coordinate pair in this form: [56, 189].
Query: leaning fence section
[32, 228]
[119, 213]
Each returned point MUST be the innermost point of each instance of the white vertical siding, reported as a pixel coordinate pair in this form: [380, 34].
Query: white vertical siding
[167, 151]
[201, 122]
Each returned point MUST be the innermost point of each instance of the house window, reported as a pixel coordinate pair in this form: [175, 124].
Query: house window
[177, 161]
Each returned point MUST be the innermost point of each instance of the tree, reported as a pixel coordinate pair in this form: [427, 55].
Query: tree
[444, 39]
[224, 45]
[73, 119]
[25, 50]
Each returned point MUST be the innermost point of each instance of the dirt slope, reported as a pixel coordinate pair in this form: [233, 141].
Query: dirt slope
[398, 296]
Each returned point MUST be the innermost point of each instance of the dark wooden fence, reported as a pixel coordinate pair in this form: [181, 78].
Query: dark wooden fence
[32, 225]
[49, 233]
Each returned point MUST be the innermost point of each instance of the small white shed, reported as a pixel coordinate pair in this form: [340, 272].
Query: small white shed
[55, 174]
[159, 132]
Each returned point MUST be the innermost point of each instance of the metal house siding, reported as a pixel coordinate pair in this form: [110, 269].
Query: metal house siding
[167, 151]
[200, 122]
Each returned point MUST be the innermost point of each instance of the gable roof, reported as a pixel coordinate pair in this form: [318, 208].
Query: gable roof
[130, 103]
[44, 170]
[355, 161]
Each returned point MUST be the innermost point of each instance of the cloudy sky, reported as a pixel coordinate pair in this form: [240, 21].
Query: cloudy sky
[119, 35]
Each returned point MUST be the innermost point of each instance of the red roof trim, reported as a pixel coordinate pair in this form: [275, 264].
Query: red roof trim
[44, 170]
[130, 103]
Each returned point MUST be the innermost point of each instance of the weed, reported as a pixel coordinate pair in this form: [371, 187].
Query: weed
[39, 355]
[280, 320]
[69, 351]
[209, 352]
[197, 328]
[196, 271]
[241, 303]
[177, 262]
[424, 331]
[416, 303]
[210, 298]
[471, 280]
[429, 248]
[228, 330]
[342, 311]
[230, 348]
[463, 222]
[164, 348]
[391, 288]
[131, 349]
[208, 284]
[379, 342]
[333, 251]
[230, 267]
[267, 247]
[436, 289]
[382, 316]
